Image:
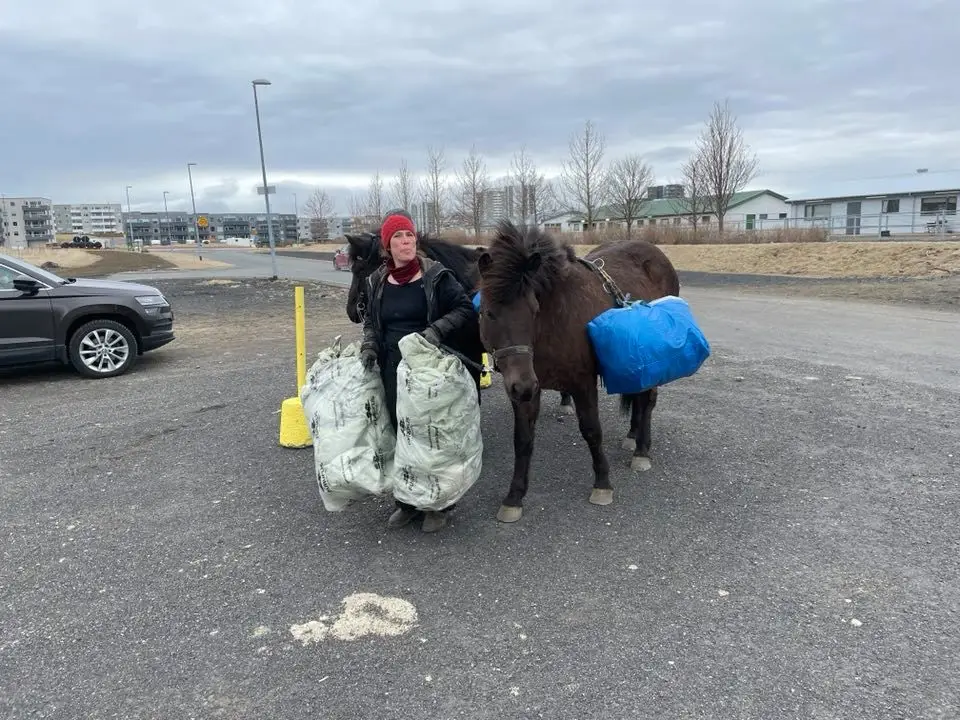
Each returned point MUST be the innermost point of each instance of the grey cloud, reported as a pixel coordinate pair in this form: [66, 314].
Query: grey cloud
[101, 109]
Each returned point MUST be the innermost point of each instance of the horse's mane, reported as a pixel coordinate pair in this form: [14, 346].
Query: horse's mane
[523, 259]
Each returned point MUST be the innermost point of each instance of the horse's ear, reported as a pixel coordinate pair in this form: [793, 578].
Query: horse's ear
[484, 262]
[534, 261]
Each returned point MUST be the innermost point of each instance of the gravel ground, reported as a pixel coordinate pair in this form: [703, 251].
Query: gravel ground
[793, 553]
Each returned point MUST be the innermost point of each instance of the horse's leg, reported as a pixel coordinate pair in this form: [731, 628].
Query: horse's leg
[566, 404]
[640, 419]
[628, 407]
[588, 414]
[524, 427]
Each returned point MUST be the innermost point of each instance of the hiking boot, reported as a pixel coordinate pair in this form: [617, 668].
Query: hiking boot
[402, 516]
[433, 521]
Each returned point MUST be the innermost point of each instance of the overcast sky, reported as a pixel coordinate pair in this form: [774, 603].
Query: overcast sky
[834, 96]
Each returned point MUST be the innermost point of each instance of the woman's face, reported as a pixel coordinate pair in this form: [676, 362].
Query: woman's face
[403, 247]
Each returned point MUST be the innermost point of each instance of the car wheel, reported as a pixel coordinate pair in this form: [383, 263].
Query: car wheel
[102, 348]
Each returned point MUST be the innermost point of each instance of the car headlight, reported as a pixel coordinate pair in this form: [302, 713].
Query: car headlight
[151, 300]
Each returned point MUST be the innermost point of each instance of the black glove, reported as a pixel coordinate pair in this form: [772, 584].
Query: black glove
[368, 358]
[431, 336]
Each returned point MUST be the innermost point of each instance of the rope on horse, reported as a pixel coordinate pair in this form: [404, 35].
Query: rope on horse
[608, 283]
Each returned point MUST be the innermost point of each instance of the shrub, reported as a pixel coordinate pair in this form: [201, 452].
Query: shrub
[667, 235]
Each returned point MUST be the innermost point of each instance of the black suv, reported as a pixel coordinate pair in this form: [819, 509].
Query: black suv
[97, 326]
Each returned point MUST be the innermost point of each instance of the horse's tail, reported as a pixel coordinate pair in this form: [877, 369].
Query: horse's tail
[626, 405]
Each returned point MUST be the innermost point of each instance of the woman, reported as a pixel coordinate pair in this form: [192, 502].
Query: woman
[409, 293]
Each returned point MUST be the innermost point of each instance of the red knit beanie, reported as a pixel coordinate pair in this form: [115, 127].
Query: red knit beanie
[392, 224]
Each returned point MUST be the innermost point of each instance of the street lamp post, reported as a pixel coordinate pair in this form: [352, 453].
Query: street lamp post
[263, 169]
[166, 216]
[129, 220]
[193, 203]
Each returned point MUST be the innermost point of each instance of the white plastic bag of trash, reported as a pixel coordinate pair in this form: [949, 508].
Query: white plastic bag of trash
[439, 447]
[353, 441]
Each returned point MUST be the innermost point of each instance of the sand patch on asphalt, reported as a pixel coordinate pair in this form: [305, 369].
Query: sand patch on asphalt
[363, 615]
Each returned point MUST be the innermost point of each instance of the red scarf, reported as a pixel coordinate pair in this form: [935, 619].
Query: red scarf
[405, 274]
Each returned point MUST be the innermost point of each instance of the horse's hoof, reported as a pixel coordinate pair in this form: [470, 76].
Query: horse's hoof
[601, 497]
[639, 463]
[629, 444]
[509, 514]
[567, 410]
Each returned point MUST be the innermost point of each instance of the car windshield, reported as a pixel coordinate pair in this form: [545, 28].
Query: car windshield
[31, 269]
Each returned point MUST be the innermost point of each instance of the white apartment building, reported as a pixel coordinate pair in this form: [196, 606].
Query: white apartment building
[500, 203]
[303, 229]
[26, 222]
[89, 219]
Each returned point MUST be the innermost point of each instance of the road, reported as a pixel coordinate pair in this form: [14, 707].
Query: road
[793, 552]
[249, 264]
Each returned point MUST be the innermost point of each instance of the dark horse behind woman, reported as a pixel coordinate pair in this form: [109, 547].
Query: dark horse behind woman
[365, 258]
[537, 298]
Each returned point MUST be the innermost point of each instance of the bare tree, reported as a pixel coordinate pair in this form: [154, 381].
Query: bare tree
[628, 180]
[584, 179]
[472, 182]
[319, 207]
[727, 162]
[433, 189]
[544, 200]
[402, 190]
[694, 181]
[375, 197]
[358, 208]
[537, 196]
[523, 174]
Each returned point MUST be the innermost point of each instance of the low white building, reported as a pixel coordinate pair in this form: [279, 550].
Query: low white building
[89, 219]
[748, 210]
[881, 214]
[26, 222]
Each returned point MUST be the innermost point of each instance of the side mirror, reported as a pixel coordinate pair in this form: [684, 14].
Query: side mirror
[26, 285]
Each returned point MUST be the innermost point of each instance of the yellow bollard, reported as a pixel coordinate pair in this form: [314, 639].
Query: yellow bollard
[294, 429]
[485, 378]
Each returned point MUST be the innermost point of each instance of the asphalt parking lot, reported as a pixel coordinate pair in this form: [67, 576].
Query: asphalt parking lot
[793, 553]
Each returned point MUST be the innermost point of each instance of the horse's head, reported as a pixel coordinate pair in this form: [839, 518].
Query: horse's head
[364, 260]
[516, 271]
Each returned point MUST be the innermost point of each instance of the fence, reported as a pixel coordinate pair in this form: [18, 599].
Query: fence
[944, 223]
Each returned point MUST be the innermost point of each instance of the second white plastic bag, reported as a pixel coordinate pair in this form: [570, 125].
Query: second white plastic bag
[439, 447]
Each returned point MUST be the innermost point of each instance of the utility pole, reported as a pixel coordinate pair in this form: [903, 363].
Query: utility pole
[193, 203]
[296, 218]
[129, 221]
[166, 216]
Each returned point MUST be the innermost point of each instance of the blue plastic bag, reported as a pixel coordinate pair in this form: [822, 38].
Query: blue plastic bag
[645, 345]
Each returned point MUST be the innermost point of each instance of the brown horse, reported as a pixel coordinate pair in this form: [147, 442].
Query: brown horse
[536, 300]
[365, 258]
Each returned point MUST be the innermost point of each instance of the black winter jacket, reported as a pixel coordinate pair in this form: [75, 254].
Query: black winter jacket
[449, 310]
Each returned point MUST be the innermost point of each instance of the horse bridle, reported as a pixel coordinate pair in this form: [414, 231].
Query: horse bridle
[501, 353]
